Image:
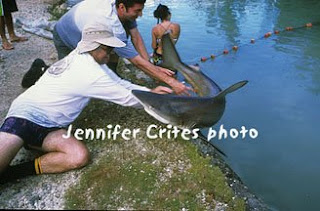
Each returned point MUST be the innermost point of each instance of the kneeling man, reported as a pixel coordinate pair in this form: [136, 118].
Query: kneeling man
[39, 116]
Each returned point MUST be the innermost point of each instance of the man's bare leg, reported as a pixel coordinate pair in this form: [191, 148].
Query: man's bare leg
[9, 147]
[63, 154]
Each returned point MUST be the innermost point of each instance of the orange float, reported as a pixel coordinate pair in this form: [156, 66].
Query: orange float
[266, 35]
[203, 59]
[308, 24]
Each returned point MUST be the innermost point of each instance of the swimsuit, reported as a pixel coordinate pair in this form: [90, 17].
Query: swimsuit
[156, 57]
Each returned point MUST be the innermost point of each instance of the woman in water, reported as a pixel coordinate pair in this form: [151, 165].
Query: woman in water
[163, 13]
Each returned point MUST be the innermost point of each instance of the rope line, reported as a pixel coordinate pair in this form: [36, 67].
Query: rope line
[252, 41]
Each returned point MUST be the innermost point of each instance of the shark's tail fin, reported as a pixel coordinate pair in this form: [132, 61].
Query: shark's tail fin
[232, 88]
[170, 55]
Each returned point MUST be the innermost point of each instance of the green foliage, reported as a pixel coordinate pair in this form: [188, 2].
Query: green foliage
[165, 174]
[159, 177]
[56, 11]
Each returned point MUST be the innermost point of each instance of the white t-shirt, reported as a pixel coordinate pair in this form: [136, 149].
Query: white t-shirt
[62, 92]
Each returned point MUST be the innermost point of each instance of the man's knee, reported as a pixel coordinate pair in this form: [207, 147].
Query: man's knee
[73, 153]
[80, 157]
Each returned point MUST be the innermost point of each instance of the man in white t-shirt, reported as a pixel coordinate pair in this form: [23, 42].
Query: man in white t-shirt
[37, 117]
[121, 16]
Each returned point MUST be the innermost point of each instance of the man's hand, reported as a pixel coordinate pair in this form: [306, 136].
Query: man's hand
[166, 71]
[162, 90]
[184, 90]
[161, 74]
[179, 88]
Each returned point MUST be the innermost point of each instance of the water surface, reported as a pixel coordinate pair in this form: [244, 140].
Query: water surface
[282, 98]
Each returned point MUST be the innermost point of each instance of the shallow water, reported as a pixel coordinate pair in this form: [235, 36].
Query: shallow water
[282, 98]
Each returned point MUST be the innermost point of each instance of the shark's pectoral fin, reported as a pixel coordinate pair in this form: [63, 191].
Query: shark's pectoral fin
[232, 88]
[151, 112]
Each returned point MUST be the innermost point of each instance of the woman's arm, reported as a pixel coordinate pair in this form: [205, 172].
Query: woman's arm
[154, 39]
[177, 31]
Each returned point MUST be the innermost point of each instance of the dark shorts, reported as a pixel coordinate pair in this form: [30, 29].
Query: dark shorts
[31, 133]
[9, 6]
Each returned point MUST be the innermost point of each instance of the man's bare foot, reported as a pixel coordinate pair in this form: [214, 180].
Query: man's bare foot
[18, 39]
[7, 45]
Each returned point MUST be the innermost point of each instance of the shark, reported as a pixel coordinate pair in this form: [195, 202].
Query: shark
[200, 111]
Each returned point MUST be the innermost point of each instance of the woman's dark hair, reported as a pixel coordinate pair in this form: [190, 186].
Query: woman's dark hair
[161, 12]
[129, 3]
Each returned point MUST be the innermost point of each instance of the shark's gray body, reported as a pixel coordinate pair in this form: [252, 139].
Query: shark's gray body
[184, 111]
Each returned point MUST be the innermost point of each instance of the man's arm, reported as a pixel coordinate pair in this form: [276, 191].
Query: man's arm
[161, 74]
[138, 43]
[111, 87]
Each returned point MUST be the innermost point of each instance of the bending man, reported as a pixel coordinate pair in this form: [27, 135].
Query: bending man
[122, 15]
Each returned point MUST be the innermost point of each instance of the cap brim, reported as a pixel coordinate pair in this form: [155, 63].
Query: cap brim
[111, 41]
[85, 46]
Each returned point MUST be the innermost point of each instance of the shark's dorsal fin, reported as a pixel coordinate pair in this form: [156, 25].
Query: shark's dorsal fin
[170, 56]
[232, 88]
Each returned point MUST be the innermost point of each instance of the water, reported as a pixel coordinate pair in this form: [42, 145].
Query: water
[282, 98]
